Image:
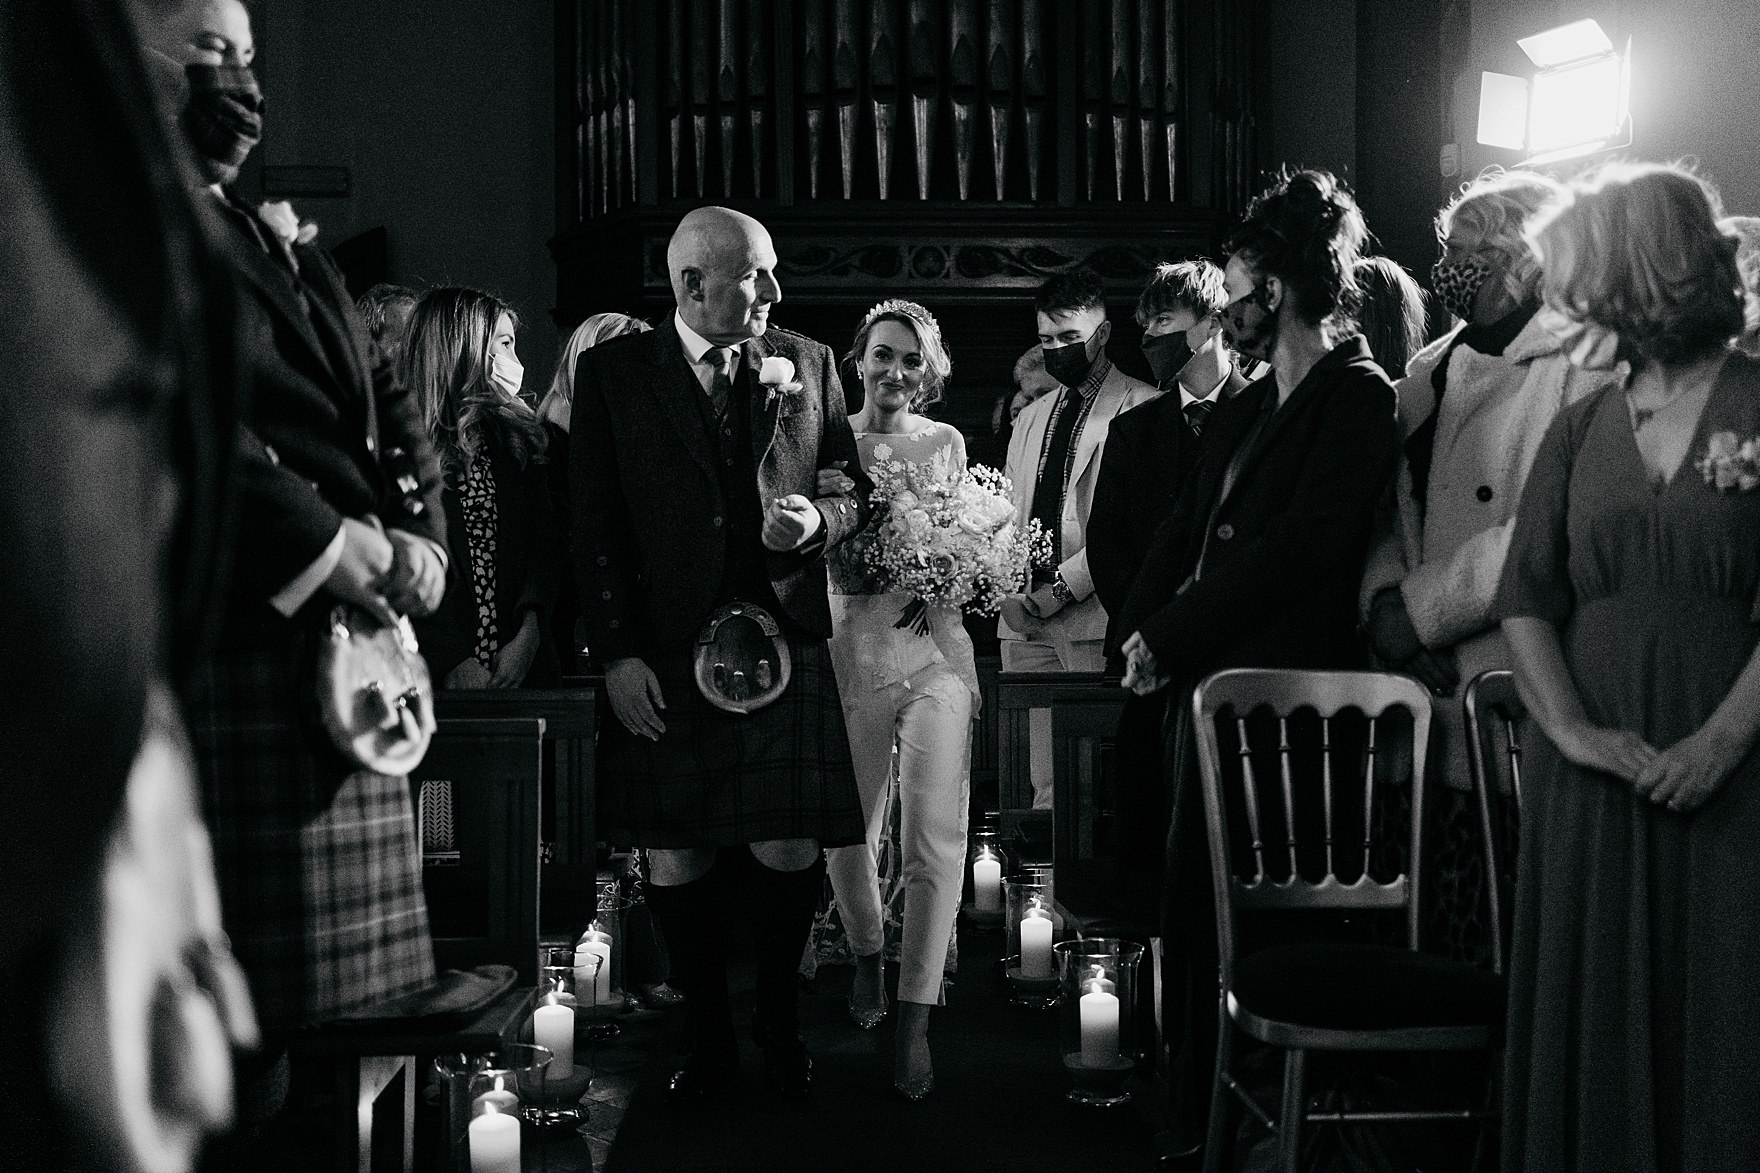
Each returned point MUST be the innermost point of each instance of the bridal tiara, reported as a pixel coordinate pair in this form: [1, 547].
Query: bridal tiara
[908, 309]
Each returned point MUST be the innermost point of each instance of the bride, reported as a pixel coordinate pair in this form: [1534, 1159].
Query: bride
[918, 692]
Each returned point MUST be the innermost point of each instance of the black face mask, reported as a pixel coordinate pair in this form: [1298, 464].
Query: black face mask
[1069, 365]
[1168, 355]
[1255, 340]
[224, 118]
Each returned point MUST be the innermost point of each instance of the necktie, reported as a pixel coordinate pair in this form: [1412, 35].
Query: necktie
[1048, 491]
[1196, 411]
[721, 385]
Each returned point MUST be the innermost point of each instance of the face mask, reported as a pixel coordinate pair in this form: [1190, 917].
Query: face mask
[1069, 365]
[1458, 283]
[224, 118]
[1257, 338]
[1168, 355]
[506, 373]
[1588, 345]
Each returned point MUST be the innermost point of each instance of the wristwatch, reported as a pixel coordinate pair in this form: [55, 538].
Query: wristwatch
[1060, 589]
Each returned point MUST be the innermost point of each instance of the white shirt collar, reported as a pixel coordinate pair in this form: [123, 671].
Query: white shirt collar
[1186, 398]
[695, 345]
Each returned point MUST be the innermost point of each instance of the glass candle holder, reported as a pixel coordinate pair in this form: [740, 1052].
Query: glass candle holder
[557, 976]
[553, 1024]
[1030, 917]
[1097, 984]
[985, 866]
[486, 1106]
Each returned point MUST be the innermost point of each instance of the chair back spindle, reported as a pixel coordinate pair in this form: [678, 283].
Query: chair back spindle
[1289, 792]
[1250, 793]
[1326, 789]
[1369, 796]
[1494, 713]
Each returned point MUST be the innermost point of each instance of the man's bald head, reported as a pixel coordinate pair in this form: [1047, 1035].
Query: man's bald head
[723, 270]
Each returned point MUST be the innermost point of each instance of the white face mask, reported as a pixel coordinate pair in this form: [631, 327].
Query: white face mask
[507, 374]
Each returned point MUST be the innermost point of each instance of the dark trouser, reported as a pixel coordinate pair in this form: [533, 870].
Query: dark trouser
[1192, 968]
[779, 907]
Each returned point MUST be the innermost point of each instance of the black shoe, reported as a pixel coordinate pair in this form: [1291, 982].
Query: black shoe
[788, 1069]
[698, 1081]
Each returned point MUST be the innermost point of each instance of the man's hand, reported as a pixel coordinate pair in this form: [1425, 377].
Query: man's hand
[1391, 633]
[467, 674]
[417, 581]
[1020, 620]
[789, 522]
[509, 666]
[1686, 774]
[1143, 674]
[1043, 603]
[635, 697]
[366, 559]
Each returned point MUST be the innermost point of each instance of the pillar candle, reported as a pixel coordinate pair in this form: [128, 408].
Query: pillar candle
[599, 993]
[553, 1028]
[498, 1099]
[987, 884]
[1099, 1027]
[494, 1143]
[1035, 945]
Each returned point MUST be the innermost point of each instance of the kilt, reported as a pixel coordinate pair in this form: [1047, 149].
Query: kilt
[319, 865]
[719, 779]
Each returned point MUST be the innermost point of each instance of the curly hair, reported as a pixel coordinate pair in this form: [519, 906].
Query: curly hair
[1635, 247]
[1495, 209]
[1191, 285]
[445, 364]
[1307, 231]
[937, 363]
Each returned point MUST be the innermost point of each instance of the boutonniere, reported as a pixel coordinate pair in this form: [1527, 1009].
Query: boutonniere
[777, 376]
[284, 225]
[1730, 462]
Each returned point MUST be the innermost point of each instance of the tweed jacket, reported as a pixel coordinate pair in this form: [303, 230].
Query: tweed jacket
[648, 507]
[1447, 561]
[325, 410]
[1150, 451]
[1286, 545]
[1084, 617]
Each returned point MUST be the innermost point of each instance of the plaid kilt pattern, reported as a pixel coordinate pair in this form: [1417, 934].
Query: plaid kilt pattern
[319, 866]
[719, 779]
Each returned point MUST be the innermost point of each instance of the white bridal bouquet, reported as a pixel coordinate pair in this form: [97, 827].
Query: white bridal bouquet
[947, 535]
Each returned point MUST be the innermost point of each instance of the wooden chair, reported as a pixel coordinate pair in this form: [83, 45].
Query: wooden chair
[1017, 695]
[1494, 752]
[495, 770]
[571, 733]
[1270, 838]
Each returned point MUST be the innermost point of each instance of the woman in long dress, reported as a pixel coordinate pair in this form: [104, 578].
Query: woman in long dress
[899, 687]
[1629, 603]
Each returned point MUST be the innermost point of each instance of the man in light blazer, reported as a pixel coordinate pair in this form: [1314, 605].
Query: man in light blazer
[694, 471]
[1054, 460]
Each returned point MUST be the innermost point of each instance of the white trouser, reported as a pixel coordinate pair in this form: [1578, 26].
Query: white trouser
[930, 716]
[1031, 655]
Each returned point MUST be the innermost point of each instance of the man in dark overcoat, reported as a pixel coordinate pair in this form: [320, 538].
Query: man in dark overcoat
[695, 468]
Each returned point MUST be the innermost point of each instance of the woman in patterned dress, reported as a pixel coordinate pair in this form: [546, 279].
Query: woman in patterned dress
[459, 363]
[1629, 602]
[918, 692]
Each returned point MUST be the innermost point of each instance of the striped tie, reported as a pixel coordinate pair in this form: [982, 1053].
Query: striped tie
[1195, 411]
[721, 386]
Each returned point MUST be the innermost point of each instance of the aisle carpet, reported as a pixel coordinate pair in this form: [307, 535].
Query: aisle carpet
[998, 1101]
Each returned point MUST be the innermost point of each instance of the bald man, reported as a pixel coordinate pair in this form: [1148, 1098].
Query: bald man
[695, 470]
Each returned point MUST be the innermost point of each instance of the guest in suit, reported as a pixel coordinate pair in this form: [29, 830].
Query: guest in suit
[555, 413]
[317, 857]
[1392, 316]
[916, 692]
[1150, 450]
[1054, 461]
[1628, 600]
[1259, 564]
[695, 472]
[493, 629]
[1472, 411]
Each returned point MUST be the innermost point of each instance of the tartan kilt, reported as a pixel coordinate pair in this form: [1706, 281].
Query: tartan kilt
[719, 779]
[318, 863]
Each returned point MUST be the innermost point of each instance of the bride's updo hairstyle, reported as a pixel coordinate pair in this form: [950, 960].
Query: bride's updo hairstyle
[937, 365]
[1635, 247]
[1306, 231]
